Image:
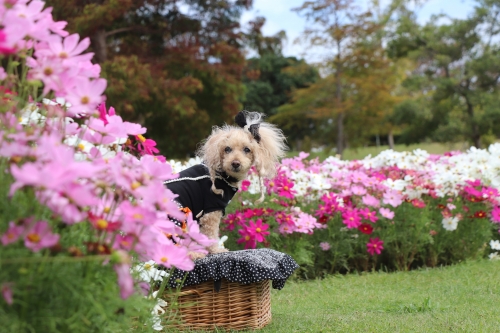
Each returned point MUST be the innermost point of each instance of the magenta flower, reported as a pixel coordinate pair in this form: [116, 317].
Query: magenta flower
[258, 230]
[285, 189]
[369, 215]
[12, 234]
[375, 245]
[387, 213]
[245, 185]
[247, 238]
[146, 146]
[351, 218]
[7, 293]
[40, 236]
[495, 214]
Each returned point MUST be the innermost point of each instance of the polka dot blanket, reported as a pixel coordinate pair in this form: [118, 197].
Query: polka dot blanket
[246, 266]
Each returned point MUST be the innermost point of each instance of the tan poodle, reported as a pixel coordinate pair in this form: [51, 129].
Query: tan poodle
[227, 154]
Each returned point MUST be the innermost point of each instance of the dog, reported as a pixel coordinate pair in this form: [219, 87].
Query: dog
[228, 154]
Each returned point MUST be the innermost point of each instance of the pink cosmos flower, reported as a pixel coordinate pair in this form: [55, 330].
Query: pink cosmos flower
[370, 200]
[358, 190]
[12, 234]
[375, 245]
[169, 255]
[351, 219]
[68, 49]
[247, 238]
[245, 185]
[146, 146]
[258, 230]
[325, 246]
[125, 280]
[393, 198]
[85, 96]
[40, 236]
[418, 203]
[7, 293]
[495, 214]
[369, 215]
[285, 189]
[387, 213]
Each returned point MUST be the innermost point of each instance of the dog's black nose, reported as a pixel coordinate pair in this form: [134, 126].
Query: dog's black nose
[235, 164]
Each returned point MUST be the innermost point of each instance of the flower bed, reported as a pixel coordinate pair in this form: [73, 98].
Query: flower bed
[392, 211]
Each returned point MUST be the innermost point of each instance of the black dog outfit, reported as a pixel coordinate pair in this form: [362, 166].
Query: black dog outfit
[194, 189]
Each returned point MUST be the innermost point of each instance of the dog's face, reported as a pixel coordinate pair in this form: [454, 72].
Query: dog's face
[237, 153]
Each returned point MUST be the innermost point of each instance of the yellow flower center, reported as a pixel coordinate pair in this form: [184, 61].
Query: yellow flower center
[11, 235]
[163, 259]
[247, 238]
[147, 266]
[107, 209]
[286, 188]
[258, 229]
[141, 138]
[34, 238]
[63, 55]
[138, 216]
[81, 146]
[85, 100]
[102, 224]
[135, 185]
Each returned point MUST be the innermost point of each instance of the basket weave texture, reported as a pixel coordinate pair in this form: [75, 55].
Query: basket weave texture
[235, 306]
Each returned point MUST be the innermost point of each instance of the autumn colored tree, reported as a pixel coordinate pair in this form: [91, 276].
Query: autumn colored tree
[174, 66]
[359, 80]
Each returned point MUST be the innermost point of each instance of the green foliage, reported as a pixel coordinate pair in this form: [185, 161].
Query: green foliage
[54, 292]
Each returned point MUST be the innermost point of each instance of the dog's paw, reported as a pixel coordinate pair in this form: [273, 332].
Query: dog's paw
[218, 250]
[197, 255]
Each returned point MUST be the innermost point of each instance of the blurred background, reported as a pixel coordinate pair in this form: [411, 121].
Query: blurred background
[347, 77]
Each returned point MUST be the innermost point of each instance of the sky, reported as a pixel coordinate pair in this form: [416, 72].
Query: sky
[279, 16]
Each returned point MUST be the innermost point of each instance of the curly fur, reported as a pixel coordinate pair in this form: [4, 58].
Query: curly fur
[229, 146]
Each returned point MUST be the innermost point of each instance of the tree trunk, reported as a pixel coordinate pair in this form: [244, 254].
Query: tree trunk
[390, 138]
[476, 135]
[338, 100]
[99, 46]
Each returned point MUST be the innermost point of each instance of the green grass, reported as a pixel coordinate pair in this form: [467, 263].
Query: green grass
[460, 298]
[362, 152]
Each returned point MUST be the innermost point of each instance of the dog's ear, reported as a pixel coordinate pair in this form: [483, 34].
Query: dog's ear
[270, 149]
[211, 149]
[240, 119]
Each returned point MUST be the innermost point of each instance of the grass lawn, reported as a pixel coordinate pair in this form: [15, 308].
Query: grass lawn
[461, 298]
[362, 152]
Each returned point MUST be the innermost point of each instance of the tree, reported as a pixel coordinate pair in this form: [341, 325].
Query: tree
[456, 82]
[360, 85]
[174, 66]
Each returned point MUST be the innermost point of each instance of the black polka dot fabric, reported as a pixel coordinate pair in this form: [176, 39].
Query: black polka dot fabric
[246, 266]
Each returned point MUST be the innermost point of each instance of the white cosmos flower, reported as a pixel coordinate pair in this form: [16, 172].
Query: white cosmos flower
[147, 272]
[495, 244]
[450, 223]
[494, 256]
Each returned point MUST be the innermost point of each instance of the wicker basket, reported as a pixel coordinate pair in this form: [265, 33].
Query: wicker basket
[235, 306]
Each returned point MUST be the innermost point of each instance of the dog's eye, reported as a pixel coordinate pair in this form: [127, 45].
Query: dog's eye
[228, 150]
[246, 150]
